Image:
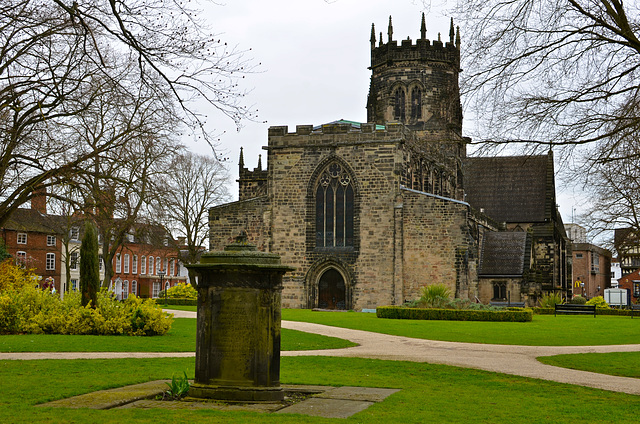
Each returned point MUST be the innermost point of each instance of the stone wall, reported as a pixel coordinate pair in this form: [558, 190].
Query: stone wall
[227, 221]
[438, 247]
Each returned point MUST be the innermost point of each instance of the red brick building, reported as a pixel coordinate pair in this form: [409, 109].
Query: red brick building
[591, 270]
[631, 282]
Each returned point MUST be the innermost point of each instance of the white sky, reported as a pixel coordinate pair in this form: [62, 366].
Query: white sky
[314, 56]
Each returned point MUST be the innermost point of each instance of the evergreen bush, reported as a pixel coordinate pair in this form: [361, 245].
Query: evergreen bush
[578, 300]
[399, 312]
[599, 302]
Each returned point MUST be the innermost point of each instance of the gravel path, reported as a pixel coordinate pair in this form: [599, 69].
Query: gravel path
[516, 360]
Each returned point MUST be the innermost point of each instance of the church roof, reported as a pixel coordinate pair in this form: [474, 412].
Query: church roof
[511, 188]
[504, 254]
[354, 125]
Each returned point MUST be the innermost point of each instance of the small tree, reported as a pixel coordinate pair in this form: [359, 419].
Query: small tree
[89, 266]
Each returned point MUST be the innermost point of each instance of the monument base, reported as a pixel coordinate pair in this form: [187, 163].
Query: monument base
[237, 393]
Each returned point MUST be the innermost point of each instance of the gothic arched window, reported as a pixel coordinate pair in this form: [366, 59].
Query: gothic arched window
[416, 103]
[399, 111]
[334, 208]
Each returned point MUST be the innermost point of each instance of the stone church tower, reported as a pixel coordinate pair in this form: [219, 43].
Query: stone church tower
[417, 85]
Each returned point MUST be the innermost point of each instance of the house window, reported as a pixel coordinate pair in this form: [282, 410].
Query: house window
[21, 258]
[500, 290]
[134, 264]
[51, 261]
[74, 284]
[334, 208]
[173, 267]
[130, 238]
[150, 265]
[51, 240]
[73, 261]
[125, 289]
[100, 262]
[166, 264]
[143, 265]
[578, 255]
[156, 290]
[158, 264]
[126, 263]
[22, 238]
[134, 287]
[595, 262]
[118, 264]
[75, 233]
[636, 289]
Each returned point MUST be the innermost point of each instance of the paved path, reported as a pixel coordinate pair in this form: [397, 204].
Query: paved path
[516, 360]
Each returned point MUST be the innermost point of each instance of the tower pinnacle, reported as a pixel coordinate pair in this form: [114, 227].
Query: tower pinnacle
[423, 28]
[390, 31]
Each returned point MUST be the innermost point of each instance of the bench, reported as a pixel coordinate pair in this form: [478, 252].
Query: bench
[570, 308]
[508, 304]
[634, 307]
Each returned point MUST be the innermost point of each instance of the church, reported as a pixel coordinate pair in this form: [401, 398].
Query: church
[369, 213]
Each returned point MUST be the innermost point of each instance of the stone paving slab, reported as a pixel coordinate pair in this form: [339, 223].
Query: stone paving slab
[154, 404]
[327, 408]
[111, 398]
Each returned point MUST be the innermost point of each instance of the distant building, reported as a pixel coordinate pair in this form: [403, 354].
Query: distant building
[631, 282]
[576, 233]
[616, 272]
[591, 270]
[627, 244]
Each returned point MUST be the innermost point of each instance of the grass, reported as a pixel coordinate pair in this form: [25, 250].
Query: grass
[623, 364]
[430, 393]
[544, 330]
[181, 338]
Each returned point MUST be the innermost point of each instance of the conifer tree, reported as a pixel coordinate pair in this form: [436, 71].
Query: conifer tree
[89, 266]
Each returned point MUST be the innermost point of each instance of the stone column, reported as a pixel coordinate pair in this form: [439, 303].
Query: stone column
[238, 328]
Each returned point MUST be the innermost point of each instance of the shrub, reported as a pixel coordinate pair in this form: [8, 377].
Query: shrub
[550, 300]
[578, 300]
[14, 277]
[398, 312]
[599, 302]
[434, 296]
[30, 310]
[181, 291]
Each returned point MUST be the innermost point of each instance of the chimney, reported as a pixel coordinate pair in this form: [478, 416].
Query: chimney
[39, 200]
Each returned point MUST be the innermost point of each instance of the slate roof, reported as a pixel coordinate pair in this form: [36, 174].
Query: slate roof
[31, 220]
[504, 254]
[510, 188]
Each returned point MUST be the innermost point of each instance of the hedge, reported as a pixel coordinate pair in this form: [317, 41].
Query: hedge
[176, 301]
[398, 312]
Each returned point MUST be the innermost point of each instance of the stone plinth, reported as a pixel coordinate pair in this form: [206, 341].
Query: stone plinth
[238, 336]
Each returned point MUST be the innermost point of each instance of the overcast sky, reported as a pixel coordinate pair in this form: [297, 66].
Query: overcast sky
[314, 56]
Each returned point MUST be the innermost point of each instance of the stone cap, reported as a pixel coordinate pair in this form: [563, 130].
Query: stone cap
[241, 254]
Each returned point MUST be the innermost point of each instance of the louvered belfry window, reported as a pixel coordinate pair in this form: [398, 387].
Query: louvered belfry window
[334, 208]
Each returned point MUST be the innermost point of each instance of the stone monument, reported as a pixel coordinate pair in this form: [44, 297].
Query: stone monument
[238, 327]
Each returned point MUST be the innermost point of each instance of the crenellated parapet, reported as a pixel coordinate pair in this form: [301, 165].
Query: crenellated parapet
[337, 133]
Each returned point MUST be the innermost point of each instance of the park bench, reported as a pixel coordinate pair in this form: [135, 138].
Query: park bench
[570, 308]
[508, 304]
[634, 307]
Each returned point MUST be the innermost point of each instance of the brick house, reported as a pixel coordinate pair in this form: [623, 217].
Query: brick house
[369, 213]
[591, 270]
[631, 282]
[45, 242]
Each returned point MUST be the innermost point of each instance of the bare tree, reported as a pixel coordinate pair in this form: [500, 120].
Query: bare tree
[193, 184]
[614, 187]
[57, 60]
[552, 72]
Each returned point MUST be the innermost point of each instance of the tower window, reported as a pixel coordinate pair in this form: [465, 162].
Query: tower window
[399, 110]
[334, 208]
[416, 103]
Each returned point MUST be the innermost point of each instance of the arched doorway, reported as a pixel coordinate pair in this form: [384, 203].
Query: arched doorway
[331, 290]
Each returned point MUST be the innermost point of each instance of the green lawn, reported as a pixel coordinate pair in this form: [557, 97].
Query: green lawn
[624, 364]
[544, 330]
[181, 338]
[430, 393]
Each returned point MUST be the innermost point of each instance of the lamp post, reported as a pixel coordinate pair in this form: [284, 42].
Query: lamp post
[161, 274]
